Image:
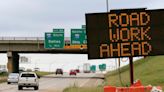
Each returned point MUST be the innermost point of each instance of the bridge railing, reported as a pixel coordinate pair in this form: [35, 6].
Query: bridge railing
[21, 38]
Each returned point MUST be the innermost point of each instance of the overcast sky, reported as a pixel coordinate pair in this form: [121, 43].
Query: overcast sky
[35, 17]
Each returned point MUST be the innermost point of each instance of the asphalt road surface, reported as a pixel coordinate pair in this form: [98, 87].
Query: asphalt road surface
[53, 83]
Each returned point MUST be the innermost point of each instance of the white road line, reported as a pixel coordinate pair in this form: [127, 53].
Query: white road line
[96, 83]
[84, 83]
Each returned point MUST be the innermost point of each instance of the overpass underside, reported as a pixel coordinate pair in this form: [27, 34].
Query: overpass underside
[14, 47]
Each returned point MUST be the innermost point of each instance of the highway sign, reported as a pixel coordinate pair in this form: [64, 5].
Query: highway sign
[54, 40]
[78, 37]
[60, 30]
[85, 39]
[102, 67]
[125, 33]
[83, 26]
[93, 68]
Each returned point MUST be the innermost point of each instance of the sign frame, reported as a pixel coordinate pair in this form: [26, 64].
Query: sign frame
[149, 38]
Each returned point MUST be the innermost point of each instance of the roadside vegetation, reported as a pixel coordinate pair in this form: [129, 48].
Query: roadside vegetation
[149, 70]
[41, 73]
[78, 89]
[3, 74]
[3, 77]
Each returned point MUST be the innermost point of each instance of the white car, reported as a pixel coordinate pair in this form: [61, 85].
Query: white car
[28, 79]
[12, 78]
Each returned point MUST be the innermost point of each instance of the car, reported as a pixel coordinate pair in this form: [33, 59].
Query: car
[72, 72]
[28, 79]
[77, 70]
[59, 71]
[12, 78]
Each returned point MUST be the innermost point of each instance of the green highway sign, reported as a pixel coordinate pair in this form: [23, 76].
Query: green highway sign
[60, 30]
[83, 26]
[102, 67]
[78, 37]
[54, 40]
[93, 68]
[85, 37]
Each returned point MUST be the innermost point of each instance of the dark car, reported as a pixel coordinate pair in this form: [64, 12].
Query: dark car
[59, 71]
[77, 70]
[72, 72]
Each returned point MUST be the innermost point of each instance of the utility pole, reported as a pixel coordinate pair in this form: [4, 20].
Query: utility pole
[107, 5]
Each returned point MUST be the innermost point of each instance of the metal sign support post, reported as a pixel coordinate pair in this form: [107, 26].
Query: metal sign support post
[131, 70]
[119, 62]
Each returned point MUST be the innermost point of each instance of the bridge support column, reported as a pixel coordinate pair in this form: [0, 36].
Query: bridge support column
[13, 62]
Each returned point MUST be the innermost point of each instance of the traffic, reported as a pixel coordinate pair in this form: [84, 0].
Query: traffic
[31, 79]
[50, 83]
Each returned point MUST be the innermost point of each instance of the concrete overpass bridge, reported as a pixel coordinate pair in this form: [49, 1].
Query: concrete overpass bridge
[15, 45]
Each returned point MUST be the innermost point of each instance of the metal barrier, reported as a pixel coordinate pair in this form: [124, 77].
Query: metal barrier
[21, 38]
[27, 38]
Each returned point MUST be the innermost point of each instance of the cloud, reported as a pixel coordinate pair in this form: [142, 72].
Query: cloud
[34, 17]
[38, 16]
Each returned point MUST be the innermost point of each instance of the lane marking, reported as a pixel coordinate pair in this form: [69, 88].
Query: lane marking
[84, 82]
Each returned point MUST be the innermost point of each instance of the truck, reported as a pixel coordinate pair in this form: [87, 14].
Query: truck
[86, 68]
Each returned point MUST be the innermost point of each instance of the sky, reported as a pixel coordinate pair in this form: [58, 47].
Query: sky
[32, 18]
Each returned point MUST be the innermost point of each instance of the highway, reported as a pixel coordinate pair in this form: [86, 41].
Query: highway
[53, 83]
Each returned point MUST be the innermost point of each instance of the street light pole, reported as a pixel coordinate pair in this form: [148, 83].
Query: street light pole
[107, 5]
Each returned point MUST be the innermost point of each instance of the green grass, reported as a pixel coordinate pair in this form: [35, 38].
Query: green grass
[3, 77]
[77, 89]
[3, 74]
[41, 73]
[149, 70]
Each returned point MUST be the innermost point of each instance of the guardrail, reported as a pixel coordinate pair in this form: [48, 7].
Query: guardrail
[21, 38]
[27, 38]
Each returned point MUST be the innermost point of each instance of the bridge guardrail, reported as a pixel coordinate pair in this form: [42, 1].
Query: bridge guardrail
[27, 38]
[21, 38]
